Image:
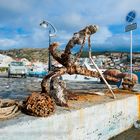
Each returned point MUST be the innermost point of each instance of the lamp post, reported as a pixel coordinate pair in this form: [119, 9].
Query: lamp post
[46, 24]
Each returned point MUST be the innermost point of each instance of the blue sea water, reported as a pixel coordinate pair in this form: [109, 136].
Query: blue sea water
[37, 74]
[138, 74]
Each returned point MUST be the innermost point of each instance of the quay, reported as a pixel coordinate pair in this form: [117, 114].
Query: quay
[91, 117]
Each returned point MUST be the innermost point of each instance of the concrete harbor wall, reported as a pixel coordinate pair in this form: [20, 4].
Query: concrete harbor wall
[96, 122]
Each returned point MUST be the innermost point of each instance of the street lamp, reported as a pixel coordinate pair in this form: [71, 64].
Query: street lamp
[46, 24]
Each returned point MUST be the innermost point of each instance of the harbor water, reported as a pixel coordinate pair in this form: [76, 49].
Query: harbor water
[138, 74]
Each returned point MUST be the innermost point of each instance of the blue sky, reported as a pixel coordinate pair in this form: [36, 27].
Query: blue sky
[20, 19]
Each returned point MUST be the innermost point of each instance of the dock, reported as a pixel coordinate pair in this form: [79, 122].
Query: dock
[90, 117]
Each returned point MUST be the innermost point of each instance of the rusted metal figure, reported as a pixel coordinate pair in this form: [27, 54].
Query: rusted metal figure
[69, 64]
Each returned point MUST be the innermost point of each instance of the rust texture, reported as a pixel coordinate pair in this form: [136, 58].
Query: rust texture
[58, 92]
[40, 105]
[69, 64]
[91, 97]
[113, 75]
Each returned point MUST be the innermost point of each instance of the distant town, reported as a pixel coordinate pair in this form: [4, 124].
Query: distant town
[39, 58]
[117, 60]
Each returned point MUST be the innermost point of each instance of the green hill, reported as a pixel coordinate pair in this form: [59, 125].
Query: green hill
[31, 54]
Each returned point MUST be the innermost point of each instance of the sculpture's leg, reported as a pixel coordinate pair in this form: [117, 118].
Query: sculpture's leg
[45, 84]
[58, 91]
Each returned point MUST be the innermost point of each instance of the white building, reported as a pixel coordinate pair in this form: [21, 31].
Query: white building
[5, 60]
[25, 61]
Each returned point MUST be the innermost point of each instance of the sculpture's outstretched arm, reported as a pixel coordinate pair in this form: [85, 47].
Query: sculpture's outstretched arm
[80, 51]
[78, 39]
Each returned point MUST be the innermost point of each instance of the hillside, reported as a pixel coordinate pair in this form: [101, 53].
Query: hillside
[31, 54]
[41, 54]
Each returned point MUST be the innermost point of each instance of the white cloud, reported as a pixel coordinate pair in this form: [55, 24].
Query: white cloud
[67, 16]
[39, 35]
[111, 12]
[64, 35]
[102, 35]
[15, 5]
[6, 43]
[73, 19]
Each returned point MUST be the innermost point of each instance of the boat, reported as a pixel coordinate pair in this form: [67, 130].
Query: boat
[37, 71]
[77, 77]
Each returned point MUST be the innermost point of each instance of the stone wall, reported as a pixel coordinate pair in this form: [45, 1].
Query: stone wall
[97, 122]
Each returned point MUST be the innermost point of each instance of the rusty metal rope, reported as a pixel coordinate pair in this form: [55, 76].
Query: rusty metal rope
[40, 105]
[8, 108]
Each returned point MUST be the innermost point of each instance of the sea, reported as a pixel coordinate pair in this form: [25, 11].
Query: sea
[138, 74]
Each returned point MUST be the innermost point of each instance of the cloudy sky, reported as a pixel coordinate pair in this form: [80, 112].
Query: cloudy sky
[20, 19]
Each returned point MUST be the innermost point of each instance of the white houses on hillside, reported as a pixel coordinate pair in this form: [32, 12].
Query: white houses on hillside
[5, 60]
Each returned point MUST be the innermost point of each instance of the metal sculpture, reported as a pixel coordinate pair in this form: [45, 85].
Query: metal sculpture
[69, 64]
